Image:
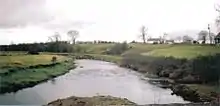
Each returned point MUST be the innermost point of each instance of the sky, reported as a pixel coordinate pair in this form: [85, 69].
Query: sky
[24, 21]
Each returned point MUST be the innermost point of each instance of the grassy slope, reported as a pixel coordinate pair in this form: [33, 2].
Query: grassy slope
[95, 48]
[186, 51]
[178, 51]
[17, 78]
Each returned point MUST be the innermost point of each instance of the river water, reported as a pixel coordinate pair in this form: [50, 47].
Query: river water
[92, 78]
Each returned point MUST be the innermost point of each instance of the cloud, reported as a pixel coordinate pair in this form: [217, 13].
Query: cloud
[16, 13]
[65, 25]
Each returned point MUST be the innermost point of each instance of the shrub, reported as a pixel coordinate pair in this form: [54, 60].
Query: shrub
[195, 42]
[201, 69]
[54, 59]
[33, 52]
[207, 67]
[118, 49]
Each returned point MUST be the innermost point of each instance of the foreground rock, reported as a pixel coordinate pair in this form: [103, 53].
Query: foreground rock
[110, 101]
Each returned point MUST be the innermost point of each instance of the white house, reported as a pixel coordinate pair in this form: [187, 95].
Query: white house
[169, 41]
[153, 40]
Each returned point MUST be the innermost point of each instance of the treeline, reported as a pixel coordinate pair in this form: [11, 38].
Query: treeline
[60, 46]
[203, 69]
[95, 42]
[55, 46]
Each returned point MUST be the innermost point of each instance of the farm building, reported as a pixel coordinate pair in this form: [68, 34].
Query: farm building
[154, 40]
[217, 39]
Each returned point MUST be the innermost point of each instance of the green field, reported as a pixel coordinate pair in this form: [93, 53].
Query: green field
[95, 48]
[185, 51]
[27, 60]
[178, 51]
[32, 70]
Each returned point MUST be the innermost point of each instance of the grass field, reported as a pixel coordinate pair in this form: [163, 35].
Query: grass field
[95, 48]
[28, 60]
[185, 51]
[178, 51]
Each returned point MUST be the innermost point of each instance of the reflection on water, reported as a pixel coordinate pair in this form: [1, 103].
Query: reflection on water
[91, 79]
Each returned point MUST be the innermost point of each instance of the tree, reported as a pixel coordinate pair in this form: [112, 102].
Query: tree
[212, 37]
[143, 34]
[187, 38]
[179, 38]
[202, 35]
[217, 8]
[55, 38]
[163, 38]
[73, 34]
[54, 44]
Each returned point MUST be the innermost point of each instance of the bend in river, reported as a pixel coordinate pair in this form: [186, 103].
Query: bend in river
[92, 78]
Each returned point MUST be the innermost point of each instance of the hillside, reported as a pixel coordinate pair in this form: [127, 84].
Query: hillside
[179, 51]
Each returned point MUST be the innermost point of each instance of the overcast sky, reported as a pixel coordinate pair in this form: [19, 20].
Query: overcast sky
[35, 20]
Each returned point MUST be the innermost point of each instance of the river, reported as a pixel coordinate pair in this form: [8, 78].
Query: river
[92, 78]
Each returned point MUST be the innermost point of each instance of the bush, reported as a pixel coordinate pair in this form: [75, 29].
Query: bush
[155, 43]
[33, 52]
[201, 69]
[54, 59]
[118, 49]
[208, 67]
[195, 42]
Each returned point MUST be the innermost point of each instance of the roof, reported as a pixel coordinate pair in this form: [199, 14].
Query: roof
[154, 39]
[218, 35]
[169, 40]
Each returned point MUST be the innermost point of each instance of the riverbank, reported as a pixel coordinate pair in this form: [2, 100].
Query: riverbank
[18, 76]
[110, 101]
[179, 80]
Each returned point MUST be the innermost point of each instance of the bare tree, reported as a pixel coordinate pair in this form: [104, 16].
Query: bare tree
[73, 34]
[163, 38]
[187, 38]
[212, 37]
[217, 8]
[202, 35]
[179, 38]
[55, 38]
[143, 34]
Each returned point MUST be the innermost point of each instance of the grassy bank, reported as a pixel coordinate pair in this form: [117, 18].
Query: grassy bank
[30, 72]
[187, 74]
